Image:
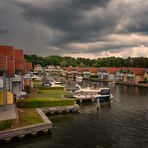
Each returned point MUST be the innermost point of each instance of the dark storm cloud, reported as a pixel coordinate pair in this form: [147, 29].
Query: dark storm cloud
[3, 31]
[69, 17]
[75, 26]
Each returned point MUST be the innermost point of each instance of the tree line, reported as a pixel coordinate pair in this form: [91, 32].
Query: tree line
[86, 62]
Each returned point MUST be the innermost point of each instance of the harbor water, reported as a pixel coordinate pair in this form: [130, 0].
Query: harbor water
[121, 124]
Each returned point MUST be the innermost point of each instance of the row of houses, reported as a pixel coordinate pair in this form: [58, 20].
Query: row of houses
[133, 75]
[127, 74]
[14, 70]
[49, 69]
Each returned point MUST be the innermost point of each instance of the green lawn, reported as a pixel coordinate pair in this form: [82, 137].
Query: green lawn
[29, 116]
[53, 94]
[46, 98]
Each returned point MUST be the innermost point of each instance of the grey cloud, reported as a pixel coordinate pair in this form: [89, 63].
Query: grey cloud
[68, 17]
[54, 25]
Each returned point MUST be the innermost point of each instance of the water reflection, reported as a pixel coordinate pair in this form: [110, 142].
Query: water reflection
[61, 118]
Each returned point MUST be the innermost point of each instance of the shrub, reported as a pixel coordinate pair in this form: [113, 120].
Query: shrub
[51, 88]
[93, 76]
[27, 89]
[37, 103]
[6, 124]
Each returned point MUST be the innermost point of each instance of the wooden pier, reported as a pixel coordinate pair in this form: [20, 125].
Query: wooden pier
[61, 109]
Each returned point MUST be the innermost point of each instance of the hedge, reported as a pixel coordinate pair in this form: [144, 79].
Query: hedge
[51, 88]
[6, 124]
[93, 76]
[38, 103]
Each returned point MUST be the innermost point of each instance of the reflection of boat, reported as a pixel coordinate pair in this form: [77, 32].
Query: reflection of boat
[101, 94]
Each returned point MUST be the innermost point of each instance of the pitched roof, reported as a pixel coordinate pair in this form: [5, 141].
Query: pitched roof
[80, 69]
[28, 65]
[7, 51]
[24, 68]
[69, 68]
[112, 70]
[3, 63]
[19, 64]
[18, 54]
[93, 70]
[138, 71]
[10, 68]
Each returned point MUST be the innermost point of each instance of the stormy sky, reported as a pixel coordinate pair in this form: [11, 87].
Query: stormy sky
[77, 28]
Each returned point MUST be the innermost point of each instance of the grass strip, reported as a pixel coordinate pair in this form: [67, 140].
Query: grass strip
[29, 116]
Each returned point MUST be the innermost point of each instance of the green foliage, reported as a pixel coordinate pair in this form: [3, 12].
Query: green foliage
[40, 102]
[6, 124]
[29, 116]
[85, 62]
[27, 89]
[93, 76]
[146, 80]
[50, 88]
[46, 98]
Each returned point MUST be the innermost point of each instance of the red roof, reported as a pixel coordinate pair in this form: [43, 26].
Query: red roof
[7, 51]
[28, 65]
[18, 54]
[69, 68]
[3, 63]
[138, 71]
[112, 70]
[10, 68]
[80, 69]
[24, 68]
[93, 70]
[19, 64]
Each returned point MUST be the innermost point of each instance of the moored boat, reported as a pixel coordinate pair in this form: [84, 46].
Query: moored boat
[101, 94]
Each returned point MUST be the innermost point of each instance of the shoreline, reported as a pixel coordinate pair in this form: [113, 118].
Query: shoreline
[9, 134]
[119, 83]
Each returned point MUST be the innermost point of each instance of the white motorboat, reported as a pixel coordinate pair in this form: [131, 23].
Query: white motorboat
[56, 84]
[103, 94]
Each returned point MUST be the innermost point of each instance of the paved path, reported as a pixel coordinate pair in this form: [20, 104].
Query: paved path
[10, 113]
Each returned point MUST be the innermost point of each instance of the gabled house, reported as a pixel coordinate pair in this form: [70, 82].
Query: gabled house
[102, 73]
[112, 71]
[38, 69]
[12, 70]
[20, 71]
[86, 73]
[80, 71]
[132, 75]
[27, 77]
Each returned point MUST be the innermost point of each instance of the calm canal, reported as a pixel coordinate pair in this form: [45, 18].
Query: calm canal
[123, 124]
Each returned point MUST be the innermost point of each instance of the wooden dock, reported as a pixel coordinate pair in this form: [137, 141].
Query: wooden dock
[61, 109]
